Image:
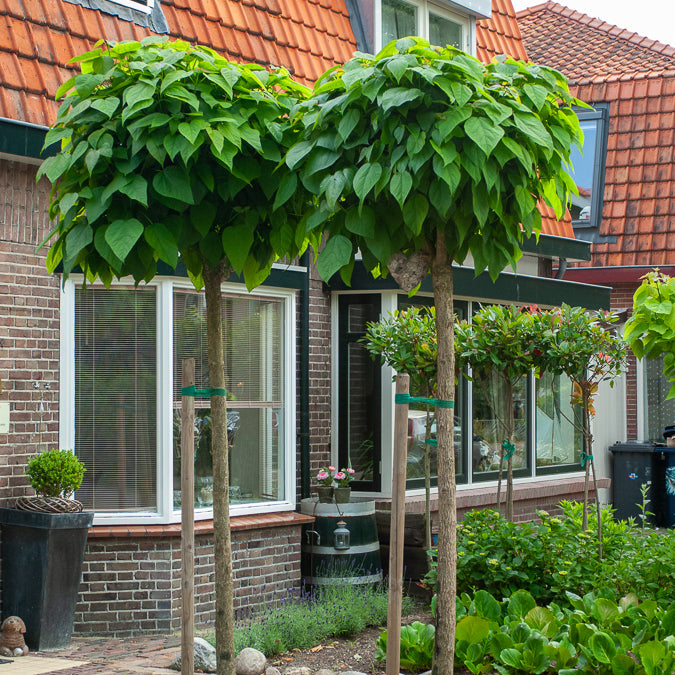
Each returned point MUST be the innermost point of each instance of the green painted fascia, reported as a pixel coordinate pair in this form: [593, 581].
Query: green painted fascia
[557, 247]
[507, 288]
[23, 139]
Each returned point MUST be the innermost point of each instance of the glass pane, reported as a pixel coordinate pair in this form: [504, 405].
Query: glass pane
[490, 407]
[399, 19]
[659, 413]
[443, 31]
[362, 374]
[559, 438]
[116, 398]
[583, 172]
[253, 342]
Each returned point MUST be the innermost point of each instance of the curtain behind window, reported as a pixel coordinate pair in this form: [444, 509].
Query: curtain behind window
[116, 398]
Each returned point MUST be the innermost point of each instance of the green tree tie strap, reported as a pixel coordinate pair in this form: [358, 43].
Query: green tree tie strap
[583, 457]
[202, 393]
[431, 441]
[510, 449]
[406, 398]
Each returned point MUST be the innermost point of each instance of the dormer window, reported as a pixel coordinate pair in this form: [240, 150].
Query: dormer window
[434, 21]
[144, 6]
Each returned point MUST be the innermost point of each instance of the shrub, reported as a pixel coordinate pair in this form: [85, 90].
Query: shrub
[55, 473]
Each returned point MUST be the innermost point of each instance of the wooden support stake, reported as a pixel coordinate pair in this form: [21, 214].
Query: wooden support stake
[187, 482]
[397, 527]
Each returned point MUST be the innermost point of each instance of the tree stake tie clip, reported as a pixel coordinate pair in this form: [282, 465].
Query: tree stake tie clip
[583, 458]
[510, 449]
[406, 398]
[202, 393]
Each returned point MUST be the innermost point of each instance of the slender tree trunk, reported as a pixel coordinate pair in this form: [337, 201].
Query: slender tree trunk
[500, 477]
[213, 278]
[587, 450]
[508, 419]
[427, 487]
[444, 647]
[597, 511]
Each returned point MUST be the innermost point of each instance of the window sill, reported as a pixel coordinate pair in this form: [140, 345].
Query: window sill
[202, 527]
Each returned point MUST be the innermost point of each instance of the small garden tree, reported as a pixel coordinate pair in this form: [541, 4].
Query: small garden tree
[418, 157]
[580, 345]
[650, 332]
[406, 341]
[169, 153]
[500, 342]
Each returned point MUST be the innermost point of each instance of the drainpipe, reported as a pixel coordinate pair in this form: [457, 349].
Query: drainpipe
[304, 382]
[562, 268]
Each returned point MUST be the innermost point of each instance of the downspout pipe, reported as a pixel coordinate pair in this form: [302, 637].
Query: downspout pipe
[304, 382]
[562, 268]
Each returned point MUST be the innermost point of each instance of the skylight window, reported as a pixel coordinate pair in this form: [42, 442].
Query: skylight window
[145, 6]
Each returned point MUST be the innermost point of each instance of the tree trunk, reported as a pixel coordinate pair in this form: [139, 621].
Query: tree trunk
[427, 487]
[213, 278]
[587, 450]
[444, 647]
[597, 511]
[509, 424]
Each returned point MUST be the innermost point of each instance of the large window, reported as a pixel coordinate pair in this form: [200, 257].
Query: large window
[124, 367]
[432, 20]
[659, 412]
[588, 168]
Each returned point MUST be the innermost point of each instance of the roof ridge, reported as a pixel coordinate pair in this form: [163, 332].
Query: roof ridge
[603, 26]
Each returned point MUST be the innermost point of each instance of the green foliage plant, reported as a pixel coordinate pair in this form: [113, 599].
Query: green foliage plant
[406, 341]
[55, 473]
[417, 646]
[503, 342]
[583, 346]
[418, 157]
[169, 153]
[650, 331]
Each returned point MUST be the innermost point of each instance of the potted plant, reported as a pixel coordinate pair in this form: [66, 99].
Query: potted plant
[342, 492]
[43, 542]
[325, 480]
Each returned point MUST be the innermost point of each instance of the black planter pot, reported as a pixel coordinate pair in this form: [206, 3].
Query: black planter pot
[42, 555]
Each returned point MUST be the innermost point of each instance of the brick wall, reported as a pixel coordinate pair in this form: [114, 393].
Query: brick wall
[131, 585]
[29, 326]
[622, 299]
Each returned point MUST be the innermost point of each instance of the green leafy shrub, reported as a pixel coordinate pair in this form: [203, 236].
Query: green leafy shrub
[556, 555]
[417, 646]
[595, 634]
[55, 473]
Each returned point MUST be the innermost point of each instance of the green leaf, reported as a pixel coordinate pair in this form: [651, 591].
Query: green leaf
[77, 239]
[415, 211]
[160, 238]
[287, 188]
[202, 216]
[520, 603]
[107, 105]
[68, 201]
[336, 254]
[487, 606]
[400, 186]
[361, 222]
[398, 96]
[511, 657]
[602, 647]
[174, 182]
[237, 243]
[347, 124]
[365, 179]
[533, 128]
[122, 236]
[136, 189]
[332, 185]
[543, 620]
[483, 133]
[297, 153]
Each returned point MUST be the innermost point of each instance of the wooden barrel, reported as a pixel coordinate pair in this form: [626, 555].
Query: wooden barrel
[322, 563]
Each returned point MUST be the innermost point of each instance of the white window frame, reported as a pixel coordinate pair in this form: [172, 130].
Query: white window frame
[424, 7]
[138, 6]
[164, 288]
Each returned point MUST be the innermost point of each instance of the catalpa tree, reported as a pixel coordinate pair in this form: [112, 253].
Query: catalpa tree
[418, 157]
[168, 153]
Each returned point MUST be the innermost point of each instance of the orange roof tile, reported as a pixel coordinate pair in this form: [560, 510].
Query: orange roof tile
[499, 34]
[637, 78]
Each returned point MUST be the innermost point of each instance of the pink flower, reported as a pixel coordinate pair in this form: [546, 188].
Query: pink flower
[351, 471]
[340, 476]
[331, 468]
[322, 475]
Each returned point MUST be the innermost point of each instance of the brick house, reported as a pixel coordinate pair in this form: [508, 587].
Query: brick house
[97, 370]
[630, 82]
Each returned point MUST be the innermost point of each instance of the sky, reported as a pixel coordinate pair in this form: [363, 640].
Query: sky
[654, 19]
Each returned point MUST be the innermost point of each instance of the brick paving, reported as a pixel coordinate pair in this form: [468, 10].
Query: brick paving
[150, 655]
